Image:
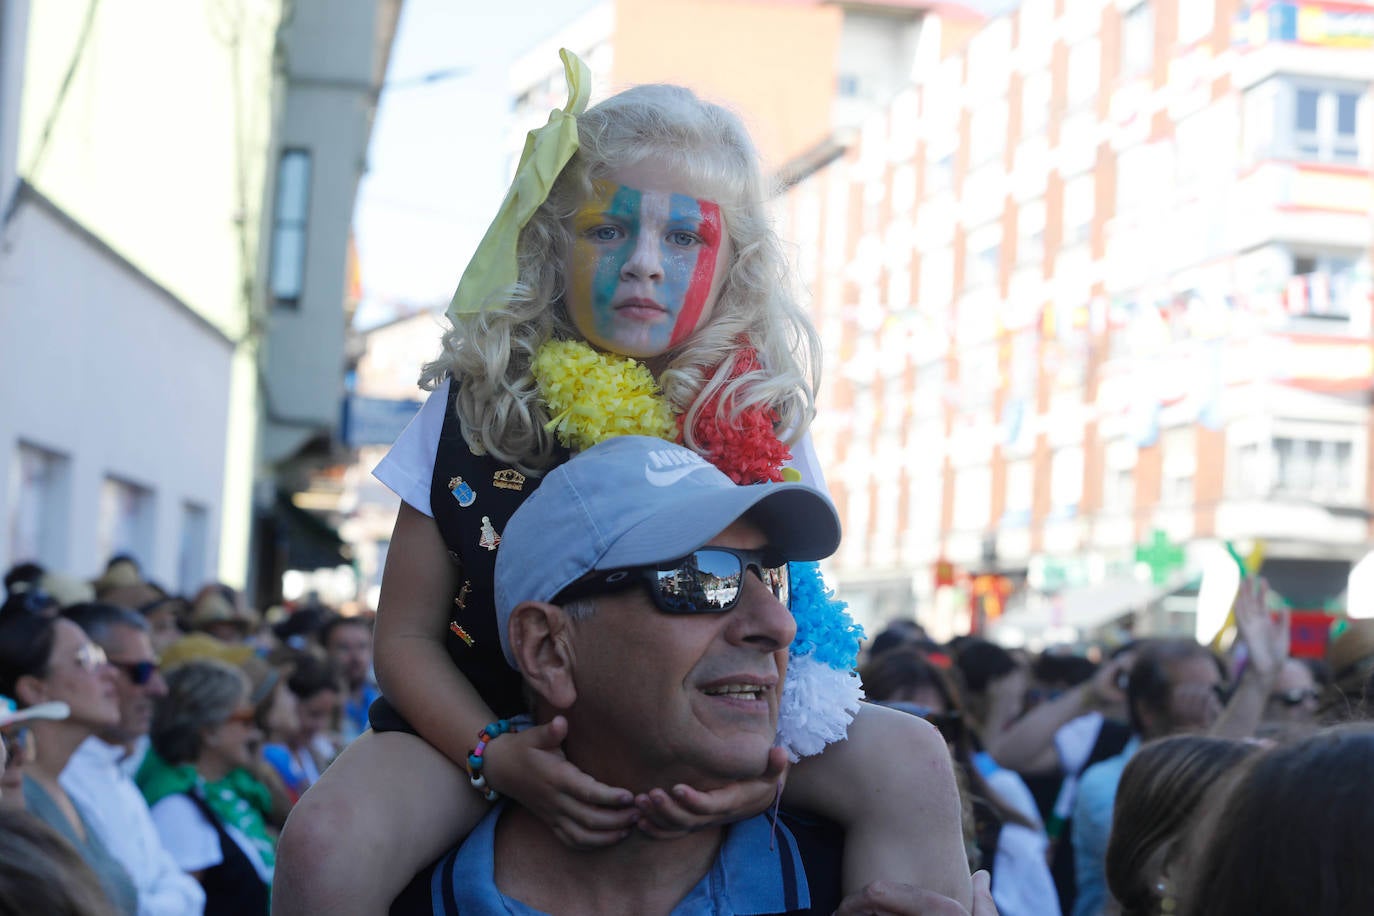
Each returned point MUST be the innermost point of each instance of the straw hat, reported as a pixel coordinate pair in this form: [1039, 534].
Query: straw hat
[121, 573]
[213, 606]
[203, 645]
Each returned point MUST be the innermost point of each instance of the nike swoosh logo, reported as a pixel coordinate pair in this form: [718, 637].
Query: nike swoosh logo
[666, 477]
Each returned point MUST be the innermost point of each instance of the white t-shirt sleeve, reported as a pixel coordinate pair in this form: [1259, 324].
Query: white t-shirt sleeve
[408, 466]
[192, 840]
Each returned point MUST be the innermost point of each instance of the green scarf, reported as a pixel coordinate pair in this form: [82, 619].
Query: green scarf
[238, 799]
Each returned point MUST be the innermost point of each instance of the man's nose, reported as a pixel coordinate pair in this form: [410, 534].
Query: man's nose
[760, 620]
[645, 261]
[156, 686]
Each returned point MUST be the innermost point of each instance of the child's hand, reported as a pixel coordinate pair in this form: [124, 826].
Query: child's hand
[529, 766]
[685, 809]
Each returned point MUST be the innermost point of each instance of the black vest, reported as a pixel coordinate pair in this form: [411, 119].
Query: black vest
[232, 888]
[493, 490]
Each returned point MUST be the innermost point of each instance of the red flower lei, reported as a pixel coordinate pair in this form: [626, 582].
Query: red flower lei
[748, 450]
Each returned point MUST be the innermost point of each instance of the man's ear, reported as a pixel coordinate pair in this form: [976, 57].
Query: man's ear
[540, 641]
[30, 690]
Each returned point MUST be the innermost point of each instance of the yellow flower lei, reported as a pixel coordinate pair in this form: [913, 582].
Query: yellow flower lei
[594, 396]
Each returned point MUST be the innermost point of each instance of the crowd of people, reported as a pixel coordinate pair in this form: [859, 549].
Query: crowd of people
[1161, 776]
[154, 744]
[152, 754]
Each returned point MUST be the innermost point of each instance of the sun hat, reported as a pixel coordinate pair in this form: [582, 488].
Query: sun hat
[193, 646]
[635, 500]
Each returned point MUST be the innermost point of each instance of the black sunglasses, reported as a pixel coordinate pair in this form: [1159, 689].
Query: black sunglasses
[706, 581]
[139, 672]
[16, 741]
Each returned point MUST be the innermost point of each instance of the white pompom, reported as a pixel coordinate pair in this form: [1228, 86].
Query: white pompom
[818, 703]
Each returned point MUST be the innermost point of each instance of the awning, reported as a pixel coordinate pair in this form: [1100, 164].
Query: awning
[1086, 607]
[1090, 606]
[309, 542]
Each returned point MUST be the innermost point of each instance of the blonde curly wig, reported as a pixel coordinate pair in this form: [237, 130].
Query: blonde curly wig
[490, 352]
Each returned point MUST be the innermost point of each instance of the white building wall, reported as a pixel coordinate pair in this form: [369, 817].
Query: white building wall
[100, 365]
[331, 88]
[14, 23]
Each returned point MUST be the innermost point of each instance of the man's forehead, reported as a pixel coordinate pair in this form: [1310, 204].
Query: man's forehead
[742, 533]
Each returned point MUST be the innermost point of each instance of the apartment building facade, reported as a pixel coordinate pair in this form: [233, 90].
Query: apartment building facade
[1096, 296]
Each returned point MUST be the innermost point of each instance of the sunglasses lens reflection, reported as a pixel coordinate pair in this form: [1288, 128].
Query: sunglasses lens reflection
[709, 581]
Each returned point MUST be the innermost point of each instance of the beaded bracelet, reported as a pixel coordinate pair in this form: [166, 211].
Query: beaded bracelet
[485, 737]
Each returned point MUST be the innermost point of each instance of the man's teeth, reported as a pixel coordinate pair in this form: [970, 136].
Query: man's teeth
[743, 691]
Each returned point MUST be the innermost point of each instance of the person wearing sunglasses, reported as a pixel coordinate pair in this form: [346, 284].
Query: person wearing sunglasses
[643, 598]
[50, 660]
[99, 776]
[208, 808]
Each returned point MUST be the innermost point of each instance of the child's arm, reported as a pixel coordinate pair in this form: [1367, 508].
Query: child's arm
[418, 677]
[890, 784]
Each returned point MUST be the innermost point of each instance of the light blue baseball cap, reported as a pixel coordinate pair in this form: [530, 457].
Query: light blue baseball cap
[636, 500]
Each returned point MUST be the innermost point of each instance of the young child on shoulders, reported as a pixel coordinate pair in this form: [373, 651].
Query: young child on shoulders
[631, 284]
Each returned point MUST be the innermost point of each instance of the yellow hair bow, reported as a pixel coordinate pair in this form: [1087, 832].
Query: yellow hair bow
[493, 267]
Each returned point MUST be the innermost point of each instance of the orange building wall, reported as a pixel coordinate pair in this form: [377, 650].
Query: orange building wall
[775, 64]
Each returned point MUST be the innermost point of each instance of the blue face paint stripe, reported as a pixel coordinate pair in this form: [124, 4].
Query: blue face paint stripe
[625, 206]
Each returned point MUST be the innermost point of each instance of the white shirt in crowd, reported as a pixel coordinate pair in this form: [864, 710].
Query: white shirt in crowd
[119, 815]
[194, 840]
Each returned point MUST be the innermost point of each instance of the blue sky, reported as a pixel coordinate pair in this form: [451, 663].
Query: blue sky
[435, 171]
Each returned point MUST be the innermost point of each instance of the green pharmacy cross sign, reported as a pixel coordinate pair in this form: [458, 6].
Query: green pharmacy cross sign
[1161, 556]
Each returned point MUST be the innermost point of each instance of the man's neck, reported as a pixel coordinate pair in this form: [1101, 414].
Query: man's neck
[639, 875]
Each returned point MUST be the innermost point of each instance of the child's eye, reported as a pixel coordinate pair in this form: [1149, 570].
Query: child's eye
[683, 238]
[606, 233]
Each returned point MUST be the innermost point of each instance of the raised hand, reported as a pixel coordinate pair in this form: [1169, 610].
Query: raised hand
[1266, 638]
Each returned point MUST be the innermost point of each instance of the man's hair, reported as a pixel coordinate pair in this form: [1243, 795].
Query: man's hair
[98, 618]
[1151, 681]
[980, 662]
[311, 676]
[1059, 668]
[330, 626]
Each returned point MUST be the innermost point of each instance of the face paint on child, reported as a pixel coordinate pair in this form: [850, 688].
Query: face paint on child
[646, 267]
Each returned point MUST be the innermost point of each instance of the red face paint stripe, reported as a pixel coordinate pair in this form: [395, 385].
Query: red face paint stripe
[700, 286]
